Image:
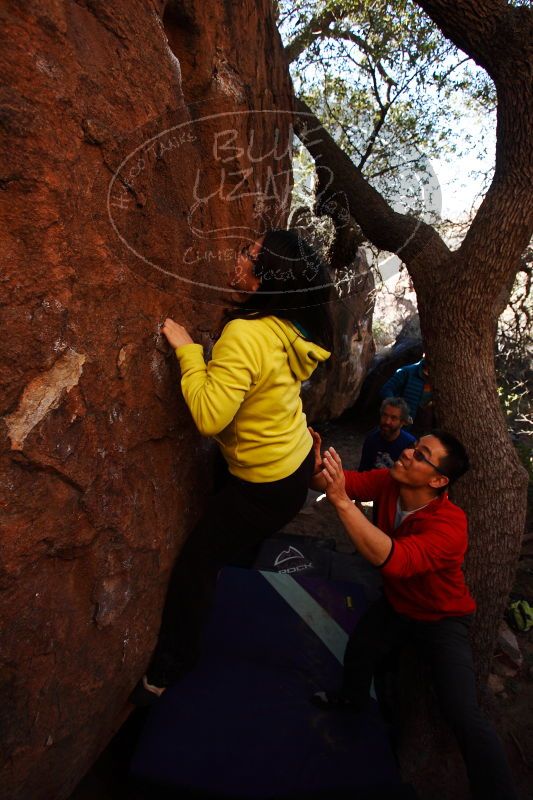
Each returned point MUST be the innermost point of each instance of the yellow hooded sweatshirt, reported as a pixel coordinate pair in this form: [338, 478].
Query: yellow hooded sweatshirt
[248, 395]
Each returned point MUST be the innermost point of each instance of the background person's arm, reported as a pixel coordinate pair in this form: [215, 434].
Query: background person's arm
[395, 385]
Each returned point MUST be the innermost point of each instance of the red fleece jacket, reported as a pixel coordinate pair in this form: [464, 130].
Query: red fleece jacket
[423, 576]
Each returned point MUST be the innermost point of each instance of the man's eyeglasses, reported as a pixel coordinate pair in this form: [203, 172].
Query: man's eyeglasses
[418, 455]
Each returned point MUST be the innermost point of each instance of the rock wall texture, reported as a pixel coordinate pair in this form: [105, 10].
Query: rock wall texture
[130, 169]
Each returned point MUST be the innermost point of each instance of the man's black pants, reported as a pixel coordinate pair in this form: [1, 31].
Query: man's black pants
[446, 645]
[238, 517]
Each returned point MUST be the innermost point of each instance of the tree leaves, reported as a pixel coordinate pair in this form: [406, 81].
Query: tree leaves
[384, 80]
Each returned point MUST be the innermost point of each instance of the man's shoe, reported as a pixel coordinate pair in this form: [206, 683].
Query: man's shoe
[333, 701]
[145, 694]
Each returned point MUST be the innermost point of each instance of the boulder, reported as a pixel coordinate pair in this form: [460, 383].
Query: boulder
[336, 384]
[407, 349]
[395, 303]
[132, 167]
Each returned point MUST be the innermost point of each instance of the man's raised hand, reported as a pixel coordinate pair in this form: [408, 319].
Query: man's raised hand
[334, 477]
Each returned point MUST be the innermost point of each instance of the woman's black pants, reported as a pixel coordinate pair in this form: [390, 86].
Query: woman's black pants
[445, 644]
[238, 517]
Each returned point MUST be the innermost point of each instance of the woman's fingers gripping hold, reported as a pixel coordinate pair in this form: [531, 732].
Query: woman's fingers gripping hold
[175, 333]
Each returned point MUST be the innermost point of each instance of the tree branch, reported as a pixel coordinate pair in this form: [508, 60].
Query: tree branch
[487, 30]
[350, 36]
[319, 27]
[384, 227]
[341, 125]
[316, 26]
[378, 124]
[500, 38]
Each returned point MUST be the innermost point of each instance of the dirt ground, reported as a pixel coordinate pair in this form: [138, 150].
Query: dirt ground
[510, 683]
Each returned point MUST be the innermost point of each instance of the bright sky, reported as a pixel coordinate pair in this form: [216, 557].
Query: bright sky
[460, 178]
[456, 175]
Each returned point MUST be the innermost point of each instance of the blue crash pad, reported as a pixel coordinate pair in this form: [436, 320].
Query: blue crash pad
[241, 725]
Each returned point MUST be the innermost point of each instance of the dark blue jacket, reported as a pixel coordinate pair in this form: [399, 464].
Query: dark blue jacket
[407, 382]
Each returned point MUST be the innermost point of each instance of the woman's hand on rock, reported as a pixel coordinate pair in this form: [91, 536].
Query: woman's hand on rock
[176, 334]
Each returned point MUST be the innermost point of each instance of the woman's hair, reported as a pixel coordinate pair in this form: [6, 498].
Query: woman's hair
[295, 285]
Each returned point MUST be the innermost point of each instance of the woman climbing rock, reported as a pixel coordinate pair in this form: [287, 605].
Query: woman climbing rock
[248, 398]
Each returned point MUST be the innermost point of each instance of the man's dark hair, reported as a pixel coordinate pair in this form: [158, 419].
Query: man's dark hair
[456, 462]
[295, 285]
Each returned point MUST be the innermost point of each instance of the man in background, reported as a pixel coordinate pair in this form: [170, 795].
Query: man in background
[384, 444]
[412, 382]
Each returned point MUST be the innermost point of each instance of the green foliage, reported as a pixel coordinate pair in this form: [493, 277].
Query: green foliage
[381, 333]
[515, 403]
[385, 82]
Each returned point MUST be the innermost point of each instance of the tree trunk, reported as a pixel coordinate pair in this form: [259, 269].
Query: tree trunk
[461, 362]
[459, 348]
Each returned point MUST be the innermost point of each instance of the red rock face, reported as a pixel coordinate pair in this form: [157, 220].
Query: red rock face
[131, 170]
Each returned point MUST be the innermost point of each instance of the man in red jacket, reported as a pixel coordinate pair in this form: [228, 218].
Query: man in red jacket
[419, 544]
